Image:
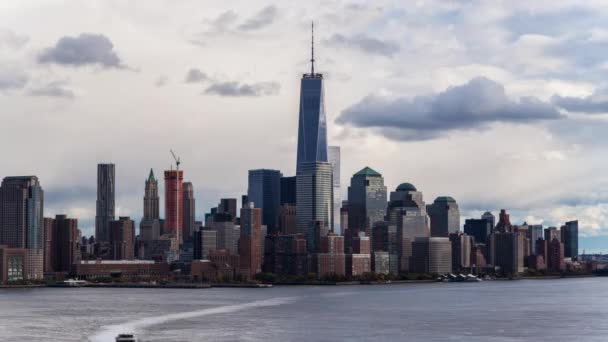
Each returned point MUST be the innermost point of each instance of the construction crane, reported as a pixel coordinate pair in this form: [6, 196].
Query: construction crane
[177, 160]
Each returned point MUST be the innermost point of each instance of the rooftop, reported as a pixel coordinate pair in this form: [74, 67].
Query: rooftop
[406, 187]
[367, 171]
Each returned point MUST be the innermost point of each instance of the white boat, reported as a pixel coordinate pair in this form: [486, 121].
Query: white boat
[126, 338]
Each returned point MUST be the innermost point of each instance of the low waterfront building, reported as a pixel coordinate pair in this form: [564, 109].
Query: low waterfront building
[286, 255]
[131, 270]
[13, 263]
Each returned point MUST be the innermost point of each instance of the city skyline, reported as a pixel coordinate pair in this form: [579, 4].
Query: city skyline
[72, 191]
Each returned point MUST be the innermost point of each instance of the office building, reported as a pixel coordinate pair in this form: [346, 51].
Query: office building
[479, 229]
[333, 154]
[569, 235]
[314, 199]
[288, 190]
[189, 211]
[385, 239]
[250, 241]
[507, 251]
[330, 260]
[431, 255]
[228, 206]
[62, 244]
[366, 201]
[174, 204]
[105, 201]
[264, 190]
[204, 240]
[445, 216]
[286, 255]
[13, 264]
[536, 232]
[21, 220]
[552, 233]
[122, 238]
[312, 122]
[488, 216]
[150, 225]
[504, 222]
[407, 212]
[555, 256]
[287, 219]
[461, 251]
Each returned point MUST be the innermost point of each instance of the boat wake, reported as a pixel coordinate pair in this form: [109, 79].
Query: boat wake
[108, 333]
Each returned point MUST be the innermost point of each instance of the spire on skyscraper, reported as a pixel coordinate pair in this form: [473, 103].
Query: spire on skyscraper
[312, 50]
[151, 176]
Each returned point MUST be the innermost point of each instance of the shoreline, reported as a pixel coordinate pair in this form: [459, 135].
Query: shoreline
[262, 285]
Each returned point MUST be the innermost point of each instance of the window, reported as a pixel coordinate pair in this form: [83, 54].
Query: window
[15, 268]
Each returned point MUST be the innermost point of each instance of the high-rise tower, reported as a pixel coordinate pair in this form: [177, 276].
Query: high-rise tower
[151, 206]
[312, 127]
[188, 211]
[150, 227]
[173, 203]
[264, 191]
[21, 221]
[105, 201]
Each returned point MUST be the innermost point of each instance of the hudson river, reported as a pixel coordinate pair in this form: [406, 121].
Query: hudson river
[525, 310]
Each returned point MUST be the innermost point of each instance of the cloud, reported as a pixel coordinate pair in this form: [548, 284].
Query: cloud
[262, 19]
[596, 103]
[364, 43]
[243, 89]
[161, 81]
[12, 77]
[86, 49]
[12, 40]
[475, 104]
[53, 89]
[195, 75]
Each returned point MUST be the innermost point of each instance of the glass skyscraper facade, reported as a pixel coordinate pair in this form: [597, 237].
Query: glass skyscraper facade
[105, 201]
[264, 191]
[366, 200]
[334, 160]
[312, 127]
[314, 203]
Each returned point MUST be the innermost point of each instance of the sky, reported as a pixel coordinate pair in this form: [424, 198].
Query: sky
[499, 104]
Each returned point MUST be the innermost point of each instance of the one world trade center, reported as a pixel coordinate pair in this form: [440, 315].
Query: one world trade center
[312, 130]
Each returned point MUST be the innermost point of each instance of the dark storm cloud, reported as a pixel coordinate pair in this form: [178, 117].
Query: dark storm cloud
[364, 43]
[593, 104]
[475, 104]
[58, 197]
[86, 49]
[243, 89]
[262, 19]
[195, 75]
[53, 89]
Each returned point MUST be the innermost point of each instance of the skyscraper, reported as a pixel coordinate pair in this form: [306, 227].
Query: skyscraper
[445, 216]
[288, 190]
[122, 238]
[366, 201]
[334, 160]
[250, 241]
[479, 229]
[63, 247]
[314, 203]
[173, 203]
[21, 220]
[264, 191]
[105, 201]
[569, 236]
[407, 211]
[228, 206]
[150, 225]
[312, 126]
[151, 200]
[488, 216]
[431, 255]
[189, 211]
